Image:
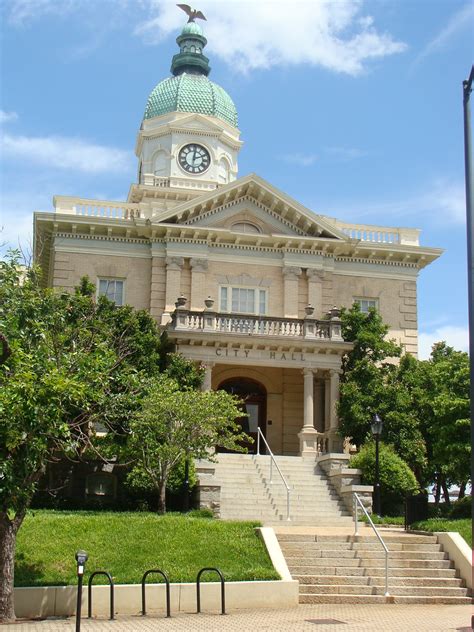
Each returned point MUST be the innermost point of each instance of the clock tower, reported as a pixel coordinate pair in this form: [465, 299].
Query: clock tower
[189, 137]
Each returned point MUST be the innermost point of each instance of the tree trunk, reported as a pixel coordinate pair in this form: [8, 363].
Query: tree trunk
[8, 531]
[162, 498]
[438, 490]
[447, 500]
[462, 490]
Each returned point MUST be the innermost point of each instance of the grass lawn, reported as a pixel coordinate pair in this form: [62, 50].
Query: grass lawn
[463, 526]
[127, 544]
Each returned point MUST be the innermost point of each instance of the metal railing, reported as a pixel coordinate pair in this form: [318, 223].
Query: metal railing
[356, 532]
[273, 461]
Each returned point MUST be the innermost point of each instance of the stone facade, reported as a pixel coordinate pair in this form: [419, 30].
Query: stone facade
[259, 277]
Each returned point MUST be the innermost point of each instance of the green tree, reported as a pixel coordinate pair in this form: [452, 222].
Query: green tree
[67, 363]
[445, 404]
[173, 425]
[371, 383]
[396, 478]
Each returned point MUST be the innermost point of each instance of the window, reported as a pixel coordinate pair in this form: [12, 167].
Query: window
[100, 485]
[366, 303]
[243, 300]
[112, 289]
[245, 227]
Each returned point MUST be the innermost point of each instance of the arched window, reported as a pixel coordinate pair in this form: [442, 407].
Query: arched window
[245, 227]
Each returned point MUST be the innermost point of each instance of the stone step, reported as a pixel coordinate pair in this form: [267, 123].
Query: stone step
[394, 556]
[362, 599]
[364, 563]
[364, 580]
[425, 591]
[358, 571]
[358, 546]
[403, 538]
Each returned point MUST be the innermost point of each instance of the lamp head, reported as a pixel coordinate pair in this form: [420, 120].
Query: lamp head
[376, 426]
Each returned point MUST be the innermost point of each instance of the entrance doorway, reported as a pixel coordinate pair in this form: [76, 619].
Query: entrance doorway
[254, 396]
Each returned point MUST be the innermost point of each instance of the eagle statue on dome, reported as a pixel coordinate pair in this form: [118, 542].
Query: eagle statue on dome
[192, 13]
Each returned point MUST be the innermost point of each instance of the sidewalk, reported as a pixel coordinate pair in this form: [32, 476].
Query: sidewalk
[304, 618]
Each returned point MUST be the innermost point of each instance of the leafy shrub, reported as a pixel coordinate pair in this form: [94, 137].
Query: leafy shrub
[200, 513]
[462, 508]
[396, 478]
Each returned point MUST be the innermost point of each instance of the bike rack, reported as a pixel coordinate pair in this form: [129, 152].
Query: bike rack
[167, 581]
[198, 587]
[89, 593]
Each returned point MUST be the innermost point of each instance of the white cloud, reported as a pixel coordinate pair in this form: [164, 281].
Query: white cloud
[346, 153]
[66, 153]
[24, 11]
[8, 117]
[462, 19]
[441, 200]
[266, 33]
[302, 160]
[454, 336]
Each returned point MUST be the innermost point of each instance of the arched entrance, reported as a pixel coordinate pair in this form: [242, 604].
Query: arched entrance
[254, 396]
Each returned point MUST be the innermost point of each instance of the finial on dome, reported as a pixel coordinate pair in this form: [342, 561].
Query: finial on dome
[191, 13]
[191, 42]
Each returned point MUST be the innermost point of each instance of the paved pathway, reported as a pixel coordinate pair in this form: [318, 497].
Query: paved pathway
[304, 618]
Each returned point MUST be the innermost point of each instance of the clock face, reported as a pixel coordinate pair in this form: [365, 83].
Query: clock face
[194, 158]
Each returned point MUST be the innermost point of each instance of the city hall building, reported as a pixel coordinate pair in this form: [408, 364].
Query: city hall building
[244, 278]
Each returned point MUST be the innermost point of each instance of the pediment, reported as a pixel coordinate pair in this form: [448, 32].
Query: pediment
[254, 200]
[245, 215]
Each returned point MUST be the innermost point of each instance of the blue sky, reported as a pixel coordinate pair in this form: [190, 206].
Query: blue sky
[354, 108]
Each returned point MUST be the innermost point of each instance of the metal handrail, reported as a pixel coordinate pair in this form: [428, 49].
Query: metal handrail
[356, 532]
[273, 460]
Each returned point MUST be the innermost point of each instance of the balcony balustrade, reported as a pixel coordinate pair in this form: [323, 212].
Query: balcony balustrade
[184, 320]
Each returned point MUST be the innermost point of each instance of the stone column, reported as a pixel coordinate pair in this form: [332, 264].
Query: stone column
[158, 285]
[207, 382]
[308, 436]
[174, 266]
[315, 290]
[335, 441]
[308, 382]
[290, 291]
[198, 283]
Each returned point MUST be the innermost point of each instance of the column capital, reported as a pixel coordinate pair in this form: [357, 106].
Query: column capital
[315, 274]
[174, 263]
[291, 272]
[198, 265]
[307, 371]
[334, 372]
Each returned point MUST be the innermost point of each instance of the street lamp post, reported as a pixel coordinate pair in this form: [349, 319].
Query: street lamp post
[377, 427]
[467, 89]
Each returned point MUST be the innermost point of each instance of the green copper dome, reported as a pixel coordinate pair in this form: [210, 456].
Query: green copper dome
[191, 93]
[189, 90]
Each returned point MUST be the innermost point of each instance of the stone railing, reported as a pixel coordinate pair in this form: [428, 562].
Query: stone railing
[346, 480]
[95, 208]
[380, 234]
[210, 321]
[149, 179]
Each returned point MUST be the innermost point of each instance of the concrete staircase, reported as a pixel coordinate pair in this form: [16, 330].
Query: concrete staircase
[351, 569]
[247, 494]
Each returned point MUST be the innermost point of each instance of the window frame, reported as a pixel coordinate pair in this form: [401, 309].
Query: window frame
[259, 291]
[108, 280]
[365, 299]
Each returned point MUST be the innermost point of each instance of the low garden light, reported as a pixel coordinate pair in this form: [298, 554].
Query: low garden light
[376, 428]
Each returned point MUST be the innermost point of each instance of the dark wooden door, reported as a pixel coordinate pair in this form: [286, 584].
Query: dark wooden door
[254, 400]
